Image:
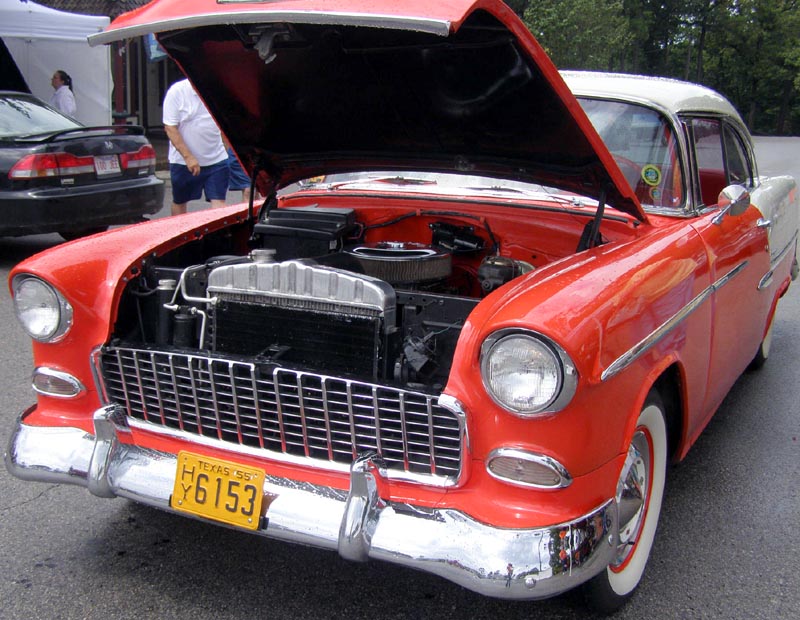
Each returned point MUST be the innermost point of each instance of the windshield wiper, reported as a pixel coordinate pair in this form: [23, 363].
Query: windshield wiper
[574, 201]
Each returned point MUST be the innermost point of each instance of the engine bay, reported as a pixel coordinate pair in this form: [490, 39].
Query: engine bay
[328, 290]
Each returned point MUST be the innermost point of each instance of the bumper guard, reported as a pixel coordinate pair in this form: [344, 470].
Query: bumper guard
[360, 525]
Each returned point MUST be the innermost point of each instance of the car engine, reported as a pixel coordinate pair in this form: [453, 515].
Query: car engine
[316, 344]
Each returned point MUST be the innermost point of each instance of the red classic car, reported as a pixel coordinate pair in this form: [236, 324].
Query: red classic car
[473, 320]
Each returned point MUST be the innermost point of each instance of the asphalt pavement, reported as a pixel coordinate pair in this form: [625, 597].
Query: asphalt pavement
[726, 546]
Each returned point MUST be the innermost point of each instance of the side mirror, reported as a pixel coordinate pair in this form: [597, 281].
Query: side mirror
[735, 199]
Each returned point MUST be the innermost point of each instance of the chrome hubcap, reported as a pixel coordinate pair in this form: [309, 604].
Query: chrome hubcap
[632, 490]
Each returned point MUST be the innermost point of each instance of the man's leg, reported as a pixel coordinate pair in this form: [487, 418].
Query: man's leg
[216, 183]
[185, 187]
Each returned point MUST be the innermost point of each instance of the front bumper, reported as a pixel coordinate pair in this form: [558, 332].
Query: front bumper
[359, 524]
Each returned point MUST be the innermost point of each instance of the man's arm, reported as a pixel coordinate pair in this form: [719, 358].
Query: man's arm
[177, 140]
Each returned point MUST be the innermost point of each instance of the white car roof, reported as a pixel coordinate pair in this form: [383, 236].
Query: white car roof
[674, 96]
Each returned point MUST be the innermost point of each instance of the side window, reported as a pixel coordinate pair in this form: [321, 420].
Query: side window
[721, 158]
[708, 150]
[739, 169]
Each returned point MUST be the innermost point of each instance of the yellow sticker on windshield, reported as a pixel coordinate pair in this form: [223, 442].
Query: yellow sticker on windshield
[651, 175]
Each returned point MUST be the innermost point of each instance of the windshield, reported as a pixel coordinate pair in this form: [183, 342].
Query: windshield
[25, 116]
[439, 183]
[644, 147]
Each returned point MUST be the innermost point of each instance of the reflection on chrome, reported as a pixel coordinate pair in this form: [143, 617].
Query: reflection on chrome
[360, 524]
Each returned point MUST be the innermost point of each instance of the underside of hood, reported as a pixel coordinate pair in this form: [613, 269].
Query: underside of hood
[303, 90]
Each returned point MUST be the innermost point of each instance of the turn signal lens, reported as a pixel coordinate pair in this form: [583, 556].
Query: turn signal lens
[527, 469]
[56, 383]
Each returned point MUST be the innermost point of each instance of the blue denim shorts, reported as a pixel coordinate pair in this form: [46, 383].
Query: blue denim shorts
[239, 179]
[213, 180]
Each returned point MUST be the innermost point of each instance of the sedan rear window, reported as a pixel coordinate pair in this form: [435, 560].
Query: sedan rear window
[22, 116]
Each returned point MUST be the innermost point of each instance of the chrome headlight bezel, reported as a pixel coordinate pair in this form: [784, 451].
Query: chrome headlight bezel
[26, 288]
[563, 375]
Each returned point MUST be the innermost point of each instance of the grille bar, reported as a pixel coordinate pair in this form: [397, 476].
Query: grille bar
[318, 418]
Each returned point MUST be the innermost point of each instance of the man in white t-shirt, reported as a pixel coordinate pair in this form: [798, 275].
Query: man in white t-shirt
[198, 159]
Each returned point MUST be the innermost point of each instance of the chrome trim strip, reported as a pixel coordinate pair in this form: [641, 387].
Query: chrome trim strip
[651, 340]
[394, 22]
[766, 280]
[785, 250]
[501, 562]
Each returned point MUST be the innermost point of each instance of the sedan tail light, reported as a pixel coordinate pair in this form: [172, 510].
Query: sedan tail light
[145, 157]
[51, 165]
[43, 165]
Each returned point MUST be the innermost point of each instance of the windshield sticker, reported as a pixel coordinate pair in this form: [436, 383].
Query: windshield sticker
[651, 175]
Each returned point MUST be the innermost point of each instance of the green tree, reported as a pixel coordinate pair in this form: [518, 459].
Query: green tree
[752, 58]
[580, 34]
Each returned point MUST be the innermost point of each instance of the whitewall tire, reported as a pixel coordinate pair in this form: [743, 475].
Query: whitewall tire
[640, 490]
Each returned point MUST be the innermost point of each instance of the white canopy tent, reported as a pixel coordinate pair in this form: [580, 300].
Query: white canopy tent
[42, 40]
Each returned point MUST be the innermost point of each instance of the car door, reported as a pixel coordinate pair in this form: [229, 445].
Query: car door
[738, 253]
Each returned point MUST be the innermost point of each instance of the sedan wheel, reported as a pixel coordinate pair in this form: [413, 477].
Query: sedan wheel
[763, 350]
[640, 489]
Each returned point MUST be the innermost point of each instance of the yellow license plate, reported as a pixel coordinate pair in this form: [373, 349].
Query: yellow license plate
[219, 490]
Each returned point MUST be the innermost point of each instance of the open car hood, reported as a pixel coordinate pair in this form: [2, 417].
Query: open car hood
[304, 88]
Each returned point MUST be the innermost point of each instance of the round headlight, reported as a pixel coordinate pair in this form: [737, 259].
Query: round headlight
[525, 373]
[43, 312]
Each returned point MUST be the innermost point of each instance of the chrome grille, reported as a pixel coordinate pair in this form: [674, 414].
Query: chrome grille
[327, 420]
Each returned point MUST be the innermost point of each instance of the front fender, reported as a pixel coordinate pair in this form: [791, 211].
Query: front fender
[91, 272]
[598, 306]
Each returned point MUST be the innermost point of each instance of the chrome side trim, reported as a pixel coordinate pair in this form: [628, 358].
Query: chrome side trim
[784, 251]
[508, 563]
[768, 278]
[651, 340]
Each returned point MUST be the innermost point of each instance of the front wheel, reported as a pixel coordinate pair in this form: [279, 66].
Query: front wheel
[640, 489]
